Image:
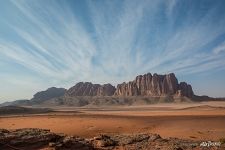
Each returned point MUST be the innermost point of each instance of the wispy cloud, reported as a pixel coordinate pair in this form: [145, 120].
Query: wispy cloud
[52, 53]
[118, 40]
[219, 48]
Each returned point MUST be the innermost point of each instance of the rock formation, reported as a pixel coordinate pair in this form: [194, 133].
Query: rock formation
[154, 85]
[106, 90]
[33, 138]
[89, 89]
[143, 85]
[185, 89]
[50, 93]
[83, 89]
[147, 85]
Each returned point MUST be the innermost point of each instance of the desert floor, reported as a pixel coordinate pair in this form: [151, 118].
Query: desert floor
[196, 121]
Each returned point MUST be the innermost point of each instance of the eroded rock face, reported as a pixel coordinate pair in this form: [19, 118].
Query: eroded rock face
[143, 85]
[89, 89]
[170, 84]
[26, 137]
[127, 89]
[154, 85]
[83, 89]
[106, 90]
[185, 89]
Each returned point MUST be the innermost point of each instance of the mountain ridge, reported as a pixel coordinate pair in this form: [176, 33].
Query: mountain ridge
[144, 89]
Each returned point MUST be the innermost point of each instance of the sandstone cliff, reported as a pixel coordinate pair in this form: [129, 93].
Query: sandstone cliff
[185, 89]
[154, 85]
[106, 90]
[143, 85]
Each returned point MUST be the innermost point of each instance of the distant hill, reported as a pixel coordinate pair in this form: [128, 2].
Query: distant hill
[50, 93]
[20, 102]
[38, 98]
[6, 110]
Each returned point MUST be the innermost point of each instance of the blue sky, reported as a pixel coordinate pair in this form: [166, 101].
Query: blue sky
[46, 43]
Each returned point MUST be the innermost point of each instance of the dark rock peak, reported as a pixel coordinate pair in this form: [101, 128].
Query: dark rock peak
[185, 89]
[48, 94]
[89, 89]
[106, 90]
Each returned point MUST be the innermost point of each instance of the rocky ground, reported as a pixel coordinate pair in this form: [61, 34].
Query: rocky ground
[32, 138]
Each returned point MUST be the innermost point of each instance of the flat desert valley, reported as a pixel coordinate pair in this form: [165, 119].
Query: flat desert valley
[196, 121]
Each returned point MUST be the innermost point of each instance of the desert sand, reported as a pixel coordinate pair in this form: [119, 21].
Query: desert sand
[196, 121]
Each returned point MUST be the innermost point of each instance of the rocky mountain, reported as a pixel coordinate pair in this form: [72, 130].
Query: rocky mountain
[144, 89]
[185, 89]
[143, 85]
[50, 93]
[154, 85]
[89, 89]
[106, 90]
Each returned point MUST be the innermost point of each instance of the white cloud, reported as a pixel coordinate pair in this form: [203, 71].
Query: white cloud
[220, 48]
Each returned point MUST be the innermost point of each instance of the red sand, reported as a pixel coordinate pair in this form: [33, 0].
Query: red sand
[204, 122]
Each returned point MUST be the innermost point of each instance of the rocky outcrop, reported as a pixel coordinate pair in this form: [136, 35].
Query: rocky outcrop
[143, 85]
[154, 85]
[185, 89]
[148, 141]
[89, 89]
[33, 138]
[50, 93]
[83, 89]
[127, 89]
[106, 90]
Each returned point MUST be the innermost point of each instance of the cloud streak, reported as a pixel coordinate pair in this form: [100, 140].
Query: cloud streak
[219, 48]
[118, 39]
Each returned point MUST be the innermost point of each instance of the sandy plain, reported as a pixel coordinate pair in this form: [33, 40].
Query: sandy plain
[196, 121]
